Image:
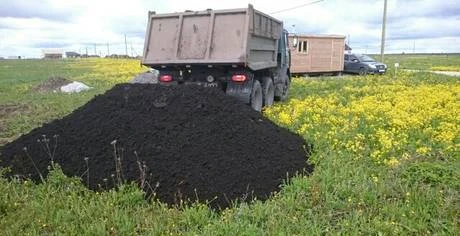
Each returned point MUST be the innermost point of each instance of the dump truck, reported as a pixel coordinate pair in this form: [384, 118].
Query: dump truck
[242, 51]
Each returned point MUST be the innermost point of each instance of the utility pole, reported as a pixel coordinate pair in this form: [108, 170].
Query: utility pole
[382, 46]
[95, 51]
[126, 47]
[413, 49]
[108, 51]
[86, 51]
[132, 50]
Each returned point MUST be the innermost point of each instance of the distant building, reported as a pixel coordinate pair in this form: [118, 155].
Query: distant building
[52, 53]
[14, 57]
[118, 56]
[72, 55]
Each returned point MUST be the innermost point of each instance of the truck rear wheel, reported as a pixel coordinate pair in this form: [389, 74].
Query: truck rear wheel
[268, 91]
[256, 96]
[285, 91]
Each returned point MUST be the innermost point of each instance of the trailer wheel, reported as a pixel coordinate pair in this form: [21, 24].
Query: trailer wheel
[268, 91]
[256, 96]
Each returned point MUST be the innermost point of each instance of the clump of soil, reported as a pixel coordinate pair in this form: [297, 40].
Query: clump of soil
[53, 84]
[192, 143]
[8, 111]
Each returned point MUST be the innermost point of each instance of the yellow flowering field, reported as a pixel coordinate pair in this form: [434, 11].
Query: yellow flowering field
[446, 68]
[387, 119]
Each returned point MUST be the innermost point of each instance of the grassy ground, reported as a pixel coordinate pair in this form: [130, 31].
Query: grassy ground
[22, 109]
[441, 62]
[386, 155]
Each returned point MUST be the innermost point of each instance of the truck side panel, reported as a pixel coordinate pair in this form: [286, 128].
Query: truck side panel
[262, 52]
[265, 32]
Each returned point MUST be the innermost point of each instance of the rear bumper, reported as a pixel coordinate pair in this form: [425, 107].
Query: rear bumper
[205, 84]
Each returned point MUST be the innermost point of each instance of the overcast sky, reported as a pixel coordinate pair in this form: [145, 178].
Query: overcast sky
[28, 26]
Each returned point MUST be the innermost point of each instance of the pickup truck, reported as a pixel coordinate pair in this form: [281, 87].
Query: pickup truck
[242, 51]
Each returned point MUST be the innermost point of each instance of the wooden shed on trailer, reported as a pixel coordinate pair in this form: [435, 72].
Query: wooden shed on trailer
[316, 54]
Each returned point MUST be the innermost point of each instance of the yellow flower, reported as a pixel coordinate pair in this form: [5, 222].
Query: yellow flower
[380, 120]
[375, 179]
[392, 162]
[423, 150]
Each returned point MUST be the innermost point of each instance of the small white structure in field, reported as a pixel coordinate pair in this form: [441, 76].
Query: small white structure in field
[75, 87]
[52, 53]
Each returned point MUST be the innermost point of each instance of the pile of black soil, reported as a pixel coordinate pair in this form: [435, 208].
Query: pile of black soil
[52, 84]
[192, 143]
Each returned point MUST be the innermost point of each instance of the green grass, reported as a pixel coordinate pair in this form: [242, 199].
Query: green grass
[31, 109]
[344, 195]
[443, 62]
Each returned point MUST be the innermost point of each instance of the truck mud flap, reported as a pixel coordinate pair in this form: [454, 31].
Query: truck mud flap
[242, 91]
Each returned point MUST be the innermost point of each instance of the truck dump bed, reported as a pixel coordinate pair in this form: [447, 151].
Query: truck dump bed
[228, 37]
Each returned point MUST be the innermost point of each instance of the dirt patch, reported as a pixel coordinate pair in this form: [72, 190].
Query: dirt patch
[449, 73]
[10, 110]
[52, 84]
[192, 142]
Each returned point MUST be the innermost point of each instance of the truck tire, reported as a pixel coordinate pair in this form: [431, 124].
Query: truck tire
[284, 93]
[256, 96]
[268, 90]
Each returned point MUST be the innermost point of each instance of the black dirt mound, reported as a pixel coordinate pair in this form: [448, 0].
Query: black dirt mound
[195, 143]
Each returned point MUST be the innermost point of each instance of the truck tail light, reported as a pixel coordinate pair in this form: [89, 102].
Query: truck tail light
[239, 78]
[165, 78]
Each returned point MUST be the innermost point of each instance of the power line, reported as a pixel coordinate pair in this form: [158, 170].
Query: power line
[292, 8]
